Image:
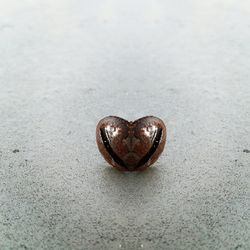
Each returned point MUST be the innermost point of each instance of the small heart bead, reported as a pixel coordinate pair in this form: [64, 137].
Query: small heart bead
[131, 146]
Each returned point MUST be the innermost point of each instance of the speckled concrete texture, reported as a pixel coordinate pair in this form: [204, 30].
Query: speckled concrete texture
[66, 64]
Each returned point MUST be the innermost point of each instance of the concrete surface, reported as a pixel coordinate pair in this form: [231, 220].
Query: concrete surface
[66, 64]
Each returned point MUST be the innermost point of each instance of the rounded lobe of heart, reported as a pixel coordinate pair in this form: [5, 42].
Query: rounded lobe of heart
[152, 133]
[110, 132]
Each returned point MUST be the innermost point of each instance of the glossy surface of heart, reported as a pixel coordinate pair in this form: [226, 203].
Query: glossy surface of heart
[131, 146]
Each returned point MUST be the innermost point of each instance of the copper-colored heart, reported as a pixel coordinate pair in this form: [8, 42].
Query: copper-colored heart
[131, 146]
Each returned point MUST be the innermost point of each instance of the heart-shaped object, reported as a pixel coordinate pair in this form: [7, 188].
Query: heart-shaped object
[131, 146]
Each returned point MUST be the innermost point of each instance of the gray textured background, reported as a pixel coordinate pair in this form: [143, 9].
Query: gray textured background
[66, 64]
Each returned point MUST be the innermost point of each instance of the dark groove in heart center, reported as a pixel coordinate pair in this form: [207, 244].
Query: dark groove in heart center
[151, 151]
[106, 143]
